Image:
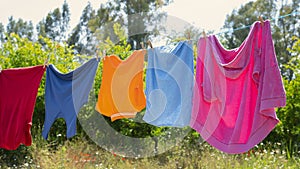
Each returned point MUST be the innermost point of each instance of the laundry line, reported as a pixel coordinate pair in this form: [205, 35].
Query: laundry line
[248, 26]
[239, 28]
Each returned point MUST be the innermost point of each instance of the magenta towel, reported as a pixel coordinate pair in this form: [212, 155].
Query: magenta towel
[237, 90]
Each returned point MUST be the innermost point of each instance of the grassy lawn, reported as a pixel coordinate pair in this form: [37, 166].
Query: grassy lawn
[79, 153]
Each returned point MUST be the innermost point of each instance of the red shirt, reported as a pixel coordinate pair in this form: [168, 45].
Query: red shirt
[18, 91]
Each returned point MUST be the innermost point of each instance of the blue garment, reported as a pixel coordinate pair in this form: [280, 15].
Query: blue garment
[169, 85]
[65, 94]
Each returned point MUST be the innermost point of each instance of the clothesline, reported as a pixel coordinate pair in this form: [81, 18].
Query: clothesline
[248, 26]
[243, 27]
[228, 115]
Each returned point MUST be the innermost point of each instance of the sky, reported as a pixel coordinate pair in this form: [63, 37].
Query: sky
[203, 14]
[36, 10]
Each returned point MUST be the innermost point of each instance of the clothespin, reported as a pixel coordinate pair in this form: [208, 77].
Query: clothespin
[204, 34]
[149, 43]
[142, 45]
[261, 20]
[103, 53]
[97, 55]
[46, 63]
[146, 55]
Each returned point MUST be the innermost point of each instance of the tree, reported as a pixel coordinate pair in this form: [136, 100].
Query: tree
[56, 24]
[101, 25]
[282, 31]
[2, 35]
[41, 28]
[288, 130]
[53, 25]
[137, 15]
[65, 20]
[286, 29]
[23, 28]
[81, 35]
[245, 16]
[140, 17]
[75, 38]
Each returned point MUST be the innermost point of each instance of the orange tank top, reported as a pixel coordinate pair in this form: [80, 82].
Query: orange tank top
[121, 94]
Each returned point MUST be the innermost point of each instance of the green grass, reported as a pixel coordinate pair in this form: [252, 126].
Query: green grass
[81, 153]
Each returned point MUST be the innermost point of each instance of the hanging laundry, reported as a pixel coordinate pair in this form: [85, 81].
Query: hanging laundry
[18, 91]
[237, 91]
[65, 94]
[169, 85]
[121, 93]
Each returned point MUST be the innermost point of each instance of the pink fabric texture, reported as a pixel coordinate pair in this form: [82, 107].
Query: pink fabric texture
[237, 90]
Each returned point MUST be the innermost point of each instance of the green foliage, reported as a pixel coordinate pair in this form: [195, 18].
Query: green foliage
[56, 24]
[122, 49]
[64, 26]
[23, 28]
[2, 31]
[81, 35]
[18, 50]
[21, 52]
[244, 16]
[82, 154]
[282, 30]
[136, 15]
[288, 130]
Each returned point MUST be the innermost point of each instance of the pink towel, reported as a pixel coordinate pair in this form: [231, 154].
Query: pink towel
[237, 90]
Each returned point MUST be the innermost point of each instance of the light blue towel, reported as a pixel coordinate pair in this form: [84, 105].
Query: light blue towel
[65, 94]
[169, 85]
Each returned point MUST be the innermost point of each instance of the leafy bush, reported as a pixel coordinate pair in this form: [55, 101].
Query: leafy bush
[287, 131]
[21, 52]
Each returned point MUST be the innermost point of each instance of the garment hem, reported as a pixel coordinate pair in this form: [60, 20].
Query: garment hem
[237, 148]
